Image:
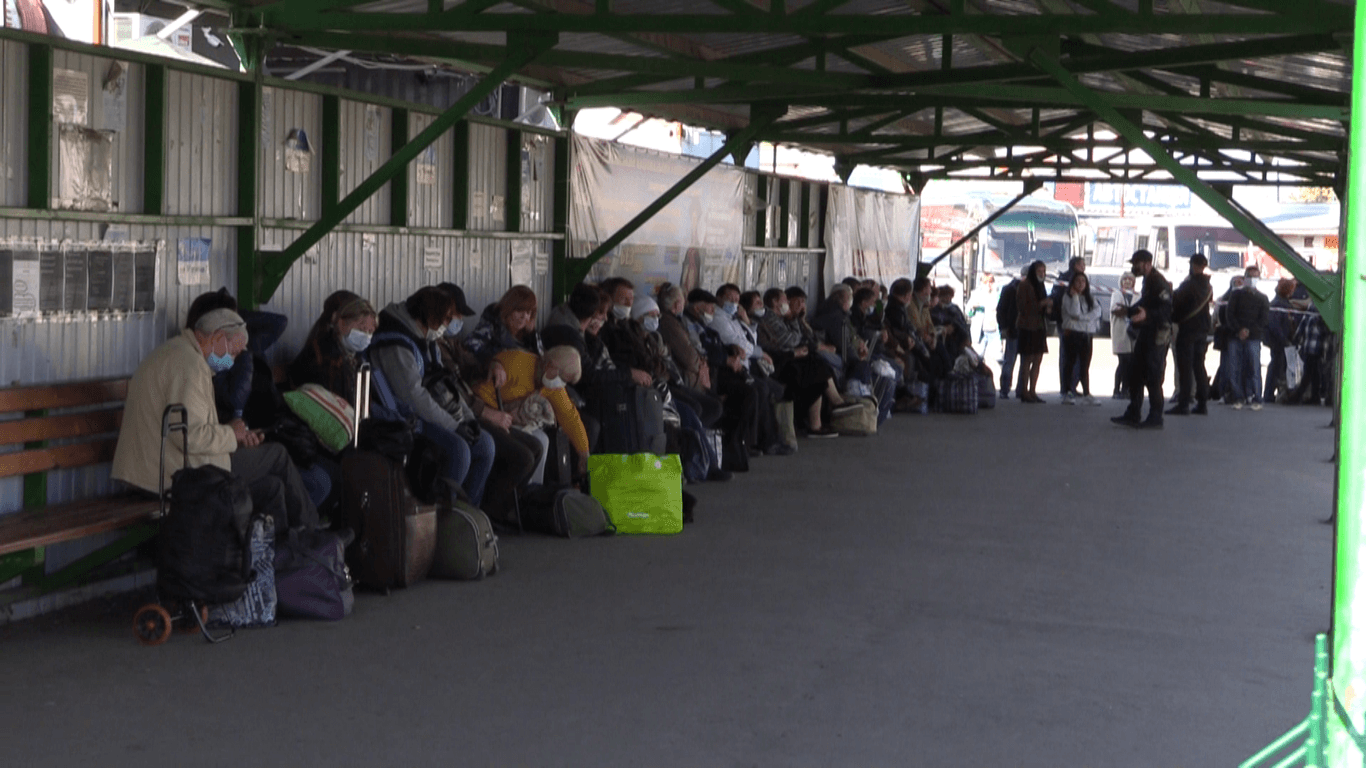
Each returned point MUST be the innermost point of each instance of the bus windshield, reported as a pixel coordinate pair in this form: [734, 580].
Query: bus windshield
[1022, 236]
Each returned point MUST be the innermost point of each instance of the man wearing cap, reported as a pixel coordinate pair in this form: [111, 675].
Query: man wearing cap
[1190, 311]
[180, 372]
[1152, 317]
[1248, 313]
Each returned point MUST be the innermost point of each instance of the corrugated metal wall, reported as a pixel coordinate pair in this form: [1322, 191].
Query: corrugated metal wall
[285, 193]
[13, 122]
[538, 182]
[488, 177]
[201, 145]
[366, 133]
[430, 177]
[105, 114]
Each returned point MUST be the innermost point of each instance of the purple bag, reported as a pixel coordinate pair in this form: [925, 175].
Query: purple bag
[311, 577]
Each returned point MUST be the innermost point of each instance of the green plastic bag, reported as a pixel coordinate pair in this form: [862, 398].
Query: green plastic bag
[642, 492]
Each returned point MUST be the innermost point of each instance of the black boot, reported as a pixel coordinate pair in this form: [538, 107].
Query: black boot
[1152, 422]
[1129, 419]
[1200, 409]
[1180, 409]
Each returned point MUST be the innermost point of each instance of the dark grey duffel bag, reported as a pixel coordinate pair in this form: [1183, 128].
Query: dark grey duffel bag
[565, 512]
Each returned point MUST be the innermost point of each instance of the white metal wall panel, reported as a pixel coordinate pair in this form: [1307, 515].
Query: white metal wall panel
[13, 123]
[488, 177]
[288, 194]
[538, 182]
[383, 268]
[201, 145]
[366, 136]
[101, 115]
[429, 202]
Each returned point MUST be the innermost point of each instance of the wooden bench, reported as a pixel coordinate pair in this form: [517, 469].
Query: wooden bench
[85, 418]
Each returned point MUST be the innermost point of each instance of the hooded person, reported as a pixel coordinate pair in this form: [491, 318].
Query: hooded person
[180, 372]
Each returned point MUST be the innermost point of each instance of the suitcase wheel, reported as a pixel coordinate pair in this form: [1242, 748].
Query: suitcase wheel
[152, 624]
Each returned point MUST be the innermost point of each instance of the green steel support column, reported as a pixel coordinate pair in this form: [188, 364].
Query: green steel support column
[1349, 593]
[398, 187]
[761, 211]
[39, 126]
[559, 250]
[249, 98]
[512, 207]
[1324, 289]
[804, 217]
[330, 152]
[154, 139]
[760, 119]
[460, 195]
[522, 49]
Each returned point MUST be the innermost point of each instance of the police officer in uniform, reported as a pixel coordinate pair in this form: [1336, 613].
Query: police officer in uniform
[1152, 317]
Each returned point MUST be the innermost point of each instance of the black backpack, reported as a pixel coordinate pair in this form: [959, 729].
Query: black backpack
[202, 551]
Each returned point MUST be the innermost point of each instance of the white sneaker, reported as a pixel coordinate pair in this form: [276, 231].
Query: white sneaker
[1256, 406]
[1238, 406]
[1068, 399]
[1090, 400]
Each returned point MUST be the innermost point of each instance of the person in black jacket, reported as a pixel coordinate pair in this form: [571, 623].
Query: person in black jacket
[1190, 310]
[1248, 313]
[1152, 316]
[1007, 312]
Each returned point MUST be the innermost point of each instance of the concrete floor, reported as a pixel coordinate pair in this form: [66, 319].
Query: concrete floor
[1028, 587]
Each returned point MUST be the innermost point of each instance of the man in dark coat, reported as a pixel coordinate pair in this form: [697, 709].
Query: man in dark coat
[1248, 313]
[1152, 316]
[1190, 310]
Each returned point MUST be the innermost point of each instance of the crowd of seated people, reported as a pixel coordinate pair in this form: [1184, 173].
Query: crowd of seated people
[709, 374]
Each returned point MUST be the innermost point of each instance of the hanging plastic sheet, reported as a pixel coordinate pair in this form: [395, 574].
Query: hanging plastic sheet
[86, 168]
[694, 241]
[871, 234]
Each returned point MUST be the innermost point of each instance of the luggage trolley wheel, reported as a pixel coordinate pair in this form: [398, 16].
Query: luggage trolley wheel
[152, 624]
[188, 626]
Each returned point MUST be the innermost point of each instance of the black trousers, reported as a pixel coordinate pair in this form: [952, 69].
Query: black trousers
[1147, 370]
[806, 380]
[275, 486]
[706, 405]
[1191, 378]
[515, 457]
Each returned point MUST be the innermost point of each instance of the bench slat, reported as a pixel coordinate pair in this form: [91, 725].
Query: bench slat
[67, 522]
[61, 427]
[60, 457]
[19, 399]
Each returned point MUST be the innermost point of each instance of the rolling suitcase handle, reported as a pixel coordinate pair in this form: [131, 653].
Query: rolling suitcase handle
[362, 402]
[167, 427]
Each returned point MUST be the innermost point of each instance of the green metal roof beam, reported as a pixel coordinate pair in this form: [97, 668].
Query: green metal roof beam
[520, 52]
[1327, 20]
[1323, 289]
[1045, 97]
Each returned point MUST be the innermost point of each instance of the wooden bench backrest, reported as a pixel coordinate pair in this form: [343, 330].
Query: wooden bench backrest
[100, 424]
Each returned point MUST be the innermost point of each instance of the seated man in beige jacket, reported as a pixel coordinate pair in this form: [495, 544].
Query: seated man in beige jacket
[180, 371]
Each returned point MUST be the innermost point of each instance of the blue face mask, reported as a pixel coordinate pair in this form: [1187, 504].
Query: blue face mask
[454, 326]
[219, 363]
[729, 308]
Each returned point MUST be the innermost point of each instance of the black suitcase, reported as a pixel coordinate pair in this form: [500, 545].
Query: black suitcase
[631, 418]
[559, 460]
[395, 536]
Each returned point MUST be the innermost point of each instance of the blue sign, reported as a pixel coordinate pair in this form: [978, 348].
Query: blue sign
[1141, 198]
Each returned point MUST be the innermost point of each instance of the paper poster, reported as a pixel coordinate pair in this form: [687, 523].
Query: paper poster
[50, 281]
[100, 283]
[371, 132]
[115, 97]
[74, 295]
[433, 260]
[192, 261]
[542, 258]
[424, 167]
[298, 152]
[522, 266]
[70, 96]
[24, 290]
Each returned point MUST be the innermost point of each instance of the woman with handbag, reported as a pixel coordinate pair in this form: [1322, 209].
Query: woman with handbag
[1033, 306]
[1080, 320]
[1121, 343]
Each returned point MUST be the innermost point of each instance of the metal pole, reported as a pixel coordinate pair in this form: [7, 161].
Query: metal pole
[1348, 642]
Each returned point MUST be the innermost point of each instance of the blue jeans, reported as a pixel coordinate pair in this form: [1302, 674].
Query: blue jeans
[1008, 358]
[1245, 370]
[467, 463]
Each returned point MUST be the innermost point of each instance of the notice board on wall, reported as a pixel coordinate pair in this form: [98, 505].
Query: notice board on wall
[43, 278]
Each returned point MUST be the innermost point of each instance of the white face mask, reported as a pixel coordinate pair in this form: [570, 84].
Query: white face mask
[784, 310]
[760, 312]
[707, 318]
[356, 341]
[435, 334]
[729, 308]
[621, 311]
[651, 323]
[454, 326]
[555, 383]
